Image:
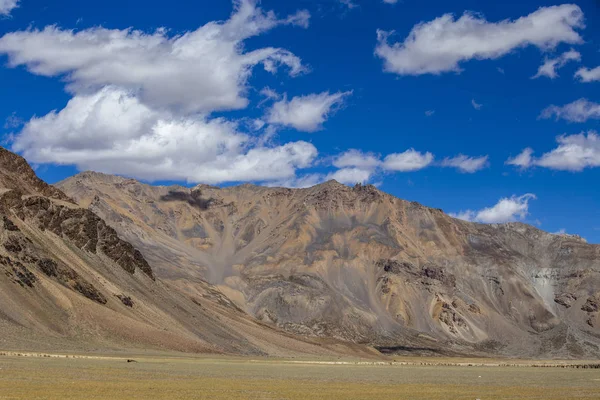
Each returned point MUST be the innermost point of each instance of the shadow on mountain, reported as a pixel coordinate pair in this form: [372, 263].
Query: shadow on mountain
[194, 198]
[406, 349]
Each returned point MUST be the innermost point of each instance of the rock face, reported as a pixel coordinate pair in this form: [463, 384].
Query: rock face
[69, 282]
[360, 265]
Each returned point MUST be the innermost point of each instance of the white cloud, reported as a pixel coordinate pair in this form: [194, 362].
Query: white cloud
[429, 113]
[506, 210]
[113, 132]
[356, 158]
[390, 1]
[574, 153]
[441, 45]
[299, 182]
[355, 166]
[523, 160]
[142, 102]
[578, 111]
[550, 65]
[465, 163]
[351, 176]
[200, 71]
[306, 113]
[476, 105]
[588, 75]
[410, 160]
[6, 6]
[347, 176]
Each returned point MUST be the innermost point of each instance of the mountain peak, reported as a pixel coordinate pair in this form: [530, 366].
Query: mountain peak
[17, 174]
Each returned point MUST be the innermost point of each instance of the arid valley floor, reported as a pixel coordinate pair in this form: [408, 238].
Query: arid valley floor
[178, 377]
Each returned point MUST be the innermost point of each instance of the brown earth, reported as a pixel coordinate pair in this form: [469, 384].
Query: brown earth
[68, 282]
[362, 266]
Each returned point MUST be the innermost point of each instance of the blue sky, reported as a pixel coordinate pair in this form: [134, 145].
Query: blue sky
[294, 93]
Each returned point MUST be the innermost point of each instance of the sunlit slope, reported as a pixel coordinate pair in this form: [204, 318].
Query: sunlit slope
[360, 265]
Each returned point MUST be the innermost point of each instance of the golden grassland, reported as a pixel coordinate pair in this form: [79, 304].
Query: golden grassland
[226, 378]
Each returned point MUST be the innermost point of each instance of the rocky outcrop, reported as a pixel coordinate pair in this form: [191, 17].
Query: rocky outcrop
[80, 226]
[565, 299]
[17, 272]
[592, 304]
[16, 174]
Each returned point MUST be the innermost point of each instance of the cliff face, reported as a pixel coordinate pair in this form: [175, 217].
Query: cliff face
[70, 282]
[360, 265]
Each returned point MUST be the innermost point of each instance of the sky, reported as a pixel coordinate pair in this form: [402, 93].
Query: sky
[487, 110]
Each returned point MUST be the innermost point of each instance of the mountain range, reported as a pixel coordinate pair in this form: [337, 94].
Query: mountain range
[100, 262]
[359, 265]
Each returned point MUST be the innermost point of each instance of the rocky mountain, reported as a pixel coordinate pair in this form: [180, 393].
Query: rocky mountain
[69, 282]
[362, 266]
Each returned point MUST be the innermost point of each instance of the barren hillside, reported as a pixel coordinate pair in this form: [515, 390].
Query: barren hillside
[68, 282]
[363, 266]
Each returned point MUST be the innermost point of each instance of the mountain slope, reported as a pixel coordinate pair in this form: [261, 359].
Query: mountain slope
[68, 282]
[360, 265]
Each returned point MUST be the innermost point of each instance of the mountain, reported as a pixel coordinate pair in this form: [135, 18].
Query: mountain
[362, 266]
[69, 282]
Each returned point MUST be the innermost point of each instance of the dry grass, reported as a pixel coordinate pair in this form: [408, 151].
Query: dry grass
[180, 378]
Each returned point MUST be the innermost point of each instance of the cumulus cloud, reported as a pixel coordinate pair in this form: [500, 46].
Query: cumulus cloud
[574, 153]
[441, 45]
[306, 113]
[476, 105]
[6, 6]
[588, 75]
[523, 160]
[355, 166]
[347, 176]
[429, 113]
[299, 182]
[390, 1]
[142, 102]
[356, 158]
[551, 65]
[351, 176]
[410, 160]
[578, 111]
[508, 209]
[111, 131]
[200, 71]
[466, 164]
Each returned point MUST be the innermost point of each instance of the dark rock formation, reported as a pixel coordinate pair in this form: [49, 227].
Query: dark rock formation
[592, 304]
[126, 300]
[565, 299]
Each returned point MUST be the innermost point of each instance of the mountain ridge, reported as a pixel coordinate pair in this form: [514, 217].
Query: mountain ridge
[332, 182]
[357, 264]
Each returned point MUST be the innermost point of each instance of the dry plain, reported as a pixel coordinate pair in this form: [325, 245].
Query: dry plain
[163, 377]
